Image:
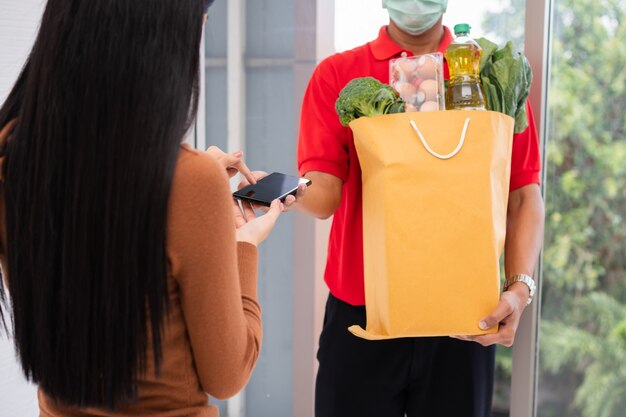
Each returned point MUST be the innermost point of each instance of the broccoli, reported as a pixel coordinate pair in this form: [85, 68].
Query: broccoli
[368, 97]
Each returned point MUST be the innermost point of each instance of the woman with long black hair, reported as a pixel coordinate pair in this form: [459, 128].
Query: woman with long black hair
[131, 274]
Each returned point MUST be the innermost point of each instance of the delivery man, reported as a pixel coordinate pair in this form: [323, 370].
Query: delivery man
[430, 376]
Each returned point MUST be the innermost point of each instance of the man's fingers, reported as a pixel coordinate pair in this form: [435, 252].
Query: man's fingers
[504, 337]
[289, 200]
[507, 314]
[503, 309]
[301, 190]
[486, 340]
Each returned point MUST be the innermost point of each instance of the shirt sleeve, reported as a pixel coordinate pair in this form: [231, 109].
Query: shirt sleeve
[217, 276]
[526, 159]
[323, 141]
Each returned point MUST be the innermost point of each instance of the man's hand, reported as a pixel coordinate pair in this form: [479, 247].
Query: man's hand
[323, 199]
[507, 314]
[524, 236]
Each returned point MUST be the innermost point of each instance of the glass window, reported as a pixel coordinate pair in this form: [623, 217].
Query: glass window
[215, 40]
[583, 326]
[271, 115]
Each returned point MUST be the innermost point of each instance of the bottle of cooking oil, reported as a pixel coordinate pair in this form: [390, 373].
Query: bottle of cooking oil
[464, 90]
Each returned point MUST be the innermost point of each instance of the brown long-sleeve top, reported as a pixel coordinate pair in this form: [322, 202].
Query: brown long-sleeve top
[212, 336]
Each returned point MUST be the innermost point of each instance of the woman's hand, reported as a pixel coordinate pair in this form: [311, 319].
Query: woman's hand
[507, 314]
[253, 229]
[232, 163]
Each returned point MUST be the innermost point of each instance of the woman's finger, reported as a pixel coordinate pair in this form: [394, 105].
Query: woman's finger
[276, 208]
[231, 172]
[229, 160]
[245, 171]
[232, 162]
[256, 175]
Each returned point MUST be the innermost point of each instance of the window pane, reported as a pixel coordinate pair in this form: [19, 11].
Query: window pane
[270, 29]
[271, 115]
[270, 146]
[583, 326]
[215, 40]
[216, 31]
[216, 109]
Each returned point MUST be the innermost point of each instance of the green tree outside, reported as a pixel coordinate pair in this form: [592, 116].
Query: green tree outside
[583, 325]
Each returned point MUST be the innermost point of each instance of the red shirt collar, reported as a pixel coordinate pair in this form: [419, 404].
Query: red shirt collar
[384, 47]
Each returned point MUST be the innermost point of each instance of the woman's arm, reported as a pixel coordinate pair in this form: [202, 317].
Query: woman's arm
[217, 276]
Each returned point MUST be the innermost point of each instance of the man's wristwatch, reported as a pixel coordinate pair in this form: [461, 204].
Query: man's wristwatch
[532, 287]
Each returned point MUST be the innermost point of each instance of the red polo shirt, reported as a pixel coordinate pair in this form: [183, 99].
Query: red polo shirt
[325, 145]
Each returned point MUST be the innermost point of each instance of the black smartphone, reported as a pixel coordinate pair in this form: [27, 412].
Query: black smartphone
[268, 189]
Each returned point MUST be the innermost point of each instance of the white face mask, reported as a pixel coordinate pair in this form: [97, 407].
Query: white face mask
[415, 16]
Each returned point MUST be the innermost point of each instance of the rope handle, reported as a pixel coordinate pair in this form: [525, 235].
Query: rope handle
[431, 151]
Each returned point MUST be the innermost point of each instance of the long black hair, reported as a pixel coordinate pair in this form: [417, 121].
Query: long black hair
[104, 100]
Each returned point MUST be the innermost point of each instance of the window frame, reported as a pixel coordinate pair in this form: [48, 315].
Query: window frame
[524, 381]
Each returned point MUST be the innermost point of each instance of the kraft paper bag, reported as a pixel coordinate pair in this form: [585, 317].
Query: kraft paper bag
[435, 193]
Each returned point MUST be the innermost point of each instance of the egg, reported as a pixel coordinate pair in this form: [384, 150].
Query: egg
[406, 67]
[416, 81]
[395, 75]
[426, 68]
[429, 106]
[406, 90]
[429, 88]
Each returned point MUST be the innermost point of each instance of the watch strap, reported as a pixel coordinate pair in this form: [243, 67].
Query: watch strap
[526, 279]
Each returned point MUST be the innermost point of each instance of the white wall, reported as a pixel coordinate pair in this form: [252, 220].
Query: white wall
[19, 20]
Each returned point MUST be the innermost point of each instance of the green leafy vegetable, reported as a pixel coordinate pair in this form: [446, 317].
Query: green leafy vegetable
[506, 77]
[488, 48]
[366, 96]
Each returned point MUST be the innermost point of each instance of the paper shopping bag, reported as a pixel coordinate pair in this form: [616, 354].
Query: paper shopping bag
[435, 192]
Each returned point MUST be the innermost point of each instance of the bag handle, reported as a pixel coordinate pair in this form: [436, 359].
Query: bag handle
[431, 151]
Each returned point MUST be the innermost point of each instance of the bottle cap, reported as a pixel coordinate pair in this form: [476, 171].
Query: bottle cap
[461, 28]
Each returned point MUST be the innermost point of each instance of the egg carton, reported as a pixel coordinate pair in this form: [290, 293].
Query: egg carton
[419, 81]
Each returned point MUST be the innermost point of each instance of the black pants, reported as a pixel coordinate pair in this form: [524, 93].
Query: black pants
[416, 377]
